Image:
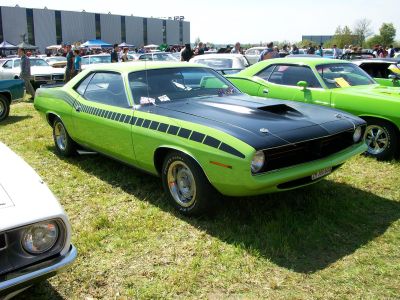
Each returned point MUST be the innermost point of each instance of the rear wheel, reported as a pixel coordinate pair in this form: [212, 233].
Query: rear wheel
[4, 108]
[65, 146]
[382, 140]
[188, 188]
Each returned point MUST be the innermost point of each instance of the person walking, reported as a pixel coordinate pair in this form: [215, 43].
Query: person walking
[320, 52]
[187, 53]
[114, 54]
[77, 62]
[69, 69]
[124, 56]
[25, 73]
[237, 49]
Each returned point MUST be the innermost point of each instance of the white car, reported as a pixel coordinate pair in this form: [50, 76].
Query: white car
[224, 63]
[56, 61]
[253, 54]
[35, 234]
[41, 71]
[155, 56]
[95, 59]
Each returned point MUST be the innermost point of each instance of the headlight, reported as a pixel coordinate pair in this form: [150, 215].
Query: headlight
[258, 161]
[357, 135]
[41, 237]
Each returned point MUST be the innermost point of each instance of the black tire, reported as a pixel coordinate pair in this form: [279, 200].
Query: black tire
[4, 108]
[65, 146]
[382, 139]
[204, 198]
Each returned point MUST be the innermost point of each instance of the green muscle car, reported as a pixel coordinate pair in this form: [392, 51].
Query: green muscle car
[332, 83]
[193, 128]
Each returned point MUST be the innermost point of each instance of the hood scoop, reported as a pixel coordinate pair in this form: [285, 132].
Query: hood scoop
[280, 109]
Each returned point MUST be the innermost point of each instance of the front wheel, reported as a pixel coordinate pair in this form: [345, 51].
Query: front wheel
[382, 140]
[188, 188]
[65, 146]
[4, 108]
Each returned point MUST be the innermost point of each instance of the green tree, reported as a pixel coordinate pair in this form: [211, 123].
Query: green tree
[362, 30]
[343, 36]
[372, 41]
[387, 33]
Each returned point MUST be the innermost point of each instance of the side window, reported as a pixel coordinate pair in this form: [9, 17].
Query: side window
[8, 65]
[107, 88]
[81, 88]
[85, 60]
[266, 73]
[17, 62]
[291, 75]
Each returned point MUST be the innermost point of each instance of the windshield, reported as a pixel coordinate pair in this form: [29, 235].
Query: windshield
[35, 62]
[56, 59]
[172, 84]
[216, 63]
[343, 75]
[104, 59]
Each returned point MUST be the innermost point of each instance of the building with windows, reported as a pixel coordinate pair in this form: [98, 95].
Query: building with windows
[44, 27]
[318, 39]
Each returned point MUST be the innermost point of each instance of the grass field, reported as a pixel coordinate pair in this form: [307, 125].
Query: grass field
[338, 239]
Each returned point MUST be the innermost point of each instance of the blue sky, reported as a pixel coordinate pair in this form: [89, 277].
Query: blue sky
[251, 21]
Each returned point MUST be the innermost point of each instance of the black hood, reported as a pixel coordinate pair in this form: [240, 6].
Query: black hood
[261, 123]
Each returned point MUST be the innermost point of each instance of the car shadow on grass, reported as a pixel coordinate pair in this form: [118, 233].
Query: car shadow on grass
[41, 291]
[303, 230]
[14, 119]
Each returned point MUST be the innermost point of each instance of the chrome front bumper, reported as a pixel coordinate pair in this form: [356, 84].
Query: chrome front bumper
[21, 279]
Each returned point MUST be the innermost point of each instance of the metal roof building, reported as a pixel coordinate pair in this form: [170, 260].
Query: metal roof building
[44, 27]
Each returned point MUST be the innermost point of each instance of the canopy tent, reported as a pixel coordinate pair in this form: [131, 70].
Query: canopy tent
[125, 45]
[96, 43]
[27, 46]
[54, 47]
[7, 46]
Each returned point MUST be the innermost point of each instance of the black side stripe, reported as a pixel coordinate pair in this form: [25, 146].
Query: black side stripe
[153, 125]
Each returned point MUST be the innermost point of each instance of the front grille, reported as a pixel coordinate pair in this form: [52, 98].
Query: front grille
[3, 243]
[43, 78]
[58, 77]
[307, 151]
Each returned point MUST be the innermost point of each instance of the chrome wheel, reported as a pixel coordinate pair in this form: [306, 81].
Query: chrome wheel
[377, 139]
[2, 108]
[181, 183]
[60, 136]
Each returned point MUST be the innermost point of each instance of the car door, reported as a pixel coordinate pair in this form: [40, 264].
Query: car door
[103, 114]
[280, 81]
[7, 70]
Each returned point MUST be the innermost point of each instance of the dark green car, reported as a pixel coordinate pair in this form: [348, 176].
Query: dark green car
[333, 83]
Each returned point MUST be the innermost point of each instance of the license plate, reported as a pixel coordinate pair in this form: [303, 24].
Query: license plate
[321, 173]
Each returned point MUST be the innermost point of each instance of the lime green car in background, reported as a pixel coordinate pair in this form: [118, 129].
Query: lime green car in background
[332, 83]
[189, 125]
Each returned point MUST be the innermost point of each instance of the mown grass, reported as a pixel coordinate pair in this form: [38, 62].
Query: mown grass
[336, 239]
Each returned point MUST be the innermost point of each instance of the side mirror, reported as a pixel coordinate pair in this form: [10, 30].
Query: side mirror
[302, 84]
[393, 77]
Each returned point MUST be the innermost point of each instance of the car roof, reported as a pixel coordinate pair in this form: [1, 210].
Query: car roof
[307, 61]
[141, 66]
[218, 55]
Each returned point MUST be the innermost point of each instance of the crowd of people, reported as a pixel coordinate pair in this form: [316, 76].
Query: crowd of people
[118, 54]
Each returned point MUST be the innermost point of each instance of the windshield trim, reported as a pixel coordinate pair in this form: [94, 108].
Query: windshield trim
[212, 71]
[373, 81]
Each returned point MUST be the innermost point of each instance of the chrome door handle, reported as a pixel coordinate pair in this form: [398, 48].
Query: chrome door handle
[265, 91]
